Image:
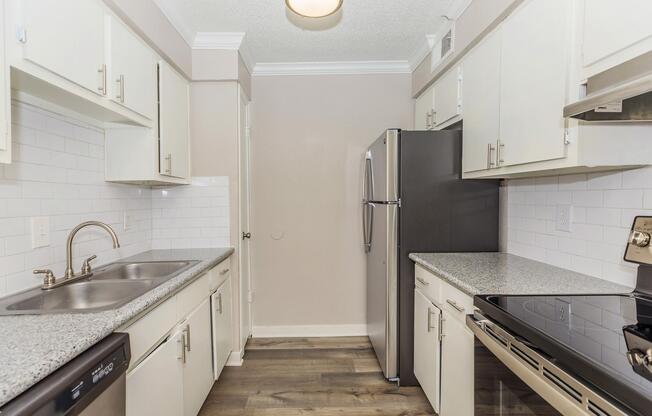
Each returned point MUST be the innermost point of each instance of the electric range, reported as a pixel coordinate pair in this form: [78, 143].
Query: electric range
[573, 354]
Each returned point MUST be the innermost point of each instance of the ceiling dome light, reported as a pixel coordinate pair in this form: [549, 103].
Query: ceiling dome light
[314, 8]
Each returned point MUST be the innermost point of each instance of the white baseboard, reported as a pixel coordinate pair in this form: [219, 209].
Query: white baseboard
[235, 359]
[292, 331]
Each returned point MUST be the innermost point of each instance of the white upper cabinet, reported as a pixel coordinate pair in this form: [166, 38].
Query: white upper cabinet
[174, 107]
[66, 37]
[423, 110]
[132, 69]
[481, 97]
[447, 97]
[614, 32]
[534, 69]
[5, 95]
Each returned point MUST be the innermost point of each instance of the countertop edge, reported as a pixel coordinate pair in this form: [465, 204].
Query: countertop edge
[457, 283]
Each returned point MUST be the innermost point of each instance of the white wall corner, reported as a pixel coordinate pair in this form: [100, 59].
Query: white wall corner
[177, 22]
[309, 331]
[332, 68]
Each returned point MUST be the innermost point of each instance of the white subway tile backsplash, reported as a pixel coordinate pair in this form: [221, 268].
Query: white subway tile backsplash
[58, 171]
[604, 206]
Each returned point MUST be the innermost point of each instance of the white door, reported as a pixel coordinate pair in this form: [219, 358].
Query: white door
[533, 82]
[155, 386]
[427, 347]
[423, 109]
[132, 69]
[222, 326]
[481, 98]
[67, 38]
[614, 29]
[246, 291]
[5, 96]
[457, 389]
[447, 97]
[197, 372]
[174, 122]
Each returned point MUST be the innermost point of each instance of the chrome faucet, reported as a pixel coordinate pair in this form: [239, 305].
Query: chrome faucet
[50, 281]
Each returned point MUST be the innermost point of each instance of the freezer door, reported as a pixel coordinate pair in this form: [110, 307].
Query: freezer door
[383, 162]
[382, 274]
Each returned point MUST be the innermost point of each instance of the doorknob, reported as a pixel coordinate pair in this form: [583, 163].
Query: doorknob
[246, 235]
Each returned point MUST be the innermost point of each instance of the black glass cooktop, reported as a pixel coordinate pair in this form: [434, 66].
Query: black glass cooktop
[590, 336]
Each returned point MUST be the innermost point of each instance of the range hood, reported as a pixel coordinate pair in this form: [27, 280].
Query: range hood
[622, 93]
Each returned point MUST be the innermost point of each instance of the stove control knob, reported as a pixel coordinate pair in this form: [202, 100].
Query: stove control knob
[648, 360]
[636, 358]
[639, 238]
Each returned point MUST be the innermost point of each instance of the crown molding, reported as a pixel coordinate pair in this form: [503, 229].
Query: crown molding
[332, 68]
[176, 21]
[218, 40]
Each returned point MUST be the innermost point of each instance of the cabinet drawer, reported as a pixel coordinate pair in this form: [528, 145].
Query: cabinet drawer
[219, 274]
[456, 302]
[192, 295]
[428, 283]
[148, 330]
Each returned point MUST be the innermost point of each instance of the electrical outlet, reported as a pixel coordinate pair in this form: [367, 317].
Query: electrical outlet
[564, 218]
[127, 221]
[40, 231]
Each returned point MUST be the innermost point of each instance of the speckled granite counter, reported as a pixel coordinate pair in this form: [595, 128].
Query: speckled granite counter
[502, 274]
[33, 346]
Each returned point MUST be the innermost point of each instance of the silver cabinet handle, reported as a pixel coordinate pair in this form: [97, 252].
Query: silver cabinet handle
[120, 96]
[490, 150]
[499, 152]
[434, 119]
[102, 72]
[423, 282]
[187, 336]
[441, 326]
[182, 342]
[455, 305]
[219, 303]
[430, 327]
[225, 271]
[168, 160]
[428, 120]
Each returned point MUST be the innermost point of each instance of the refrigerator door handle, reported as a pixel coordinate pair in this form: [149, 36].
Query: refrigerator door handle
[370, 227]
[368, 186]
[365, 215]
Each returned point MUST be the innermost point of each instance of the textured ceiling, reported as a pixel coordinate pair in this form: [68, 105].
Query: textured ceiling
[363, 30]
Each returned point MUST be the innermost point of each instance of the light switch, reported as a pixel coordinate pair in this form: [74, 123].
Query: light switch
[40, 232]
[127, 220]
[564, 218]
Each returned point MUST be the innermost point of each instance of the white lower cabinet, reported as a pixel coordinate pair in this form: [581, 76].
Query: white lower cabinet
[427, 349]
[443, 346]
[155, 387]
[222, 327]
[197, 371]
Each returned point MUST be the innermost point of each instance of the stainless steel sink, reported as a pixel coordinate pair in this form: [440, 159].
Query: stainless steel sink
[110, 287]
[139, 271]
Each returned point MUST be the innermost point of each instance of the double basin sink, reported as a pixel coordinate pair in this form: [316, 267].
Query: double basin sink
[109, 287]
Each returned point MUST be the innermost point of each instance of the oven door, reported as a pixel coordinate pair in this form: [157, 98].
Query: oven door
[513, 379]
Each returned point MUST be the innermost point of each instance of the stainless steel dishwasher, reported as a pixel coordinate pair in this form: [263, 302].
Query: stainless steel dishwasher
[91, 384]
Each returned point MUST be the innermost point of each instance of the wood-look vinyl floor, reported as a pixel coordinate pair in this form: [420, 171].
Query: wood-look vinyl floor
[311, 376]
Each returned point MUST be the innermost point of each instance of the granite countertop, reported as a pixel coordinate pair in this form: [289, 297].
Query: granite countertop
[507, 274]
[33, 346]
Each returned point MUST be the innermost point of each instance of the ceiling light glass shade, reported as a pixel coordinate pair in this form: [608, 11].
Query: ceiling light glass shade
[314, 8]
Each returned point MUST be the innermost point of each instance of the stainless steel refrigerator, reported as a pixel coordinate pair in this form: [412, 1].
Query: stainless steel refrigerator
[414, 200]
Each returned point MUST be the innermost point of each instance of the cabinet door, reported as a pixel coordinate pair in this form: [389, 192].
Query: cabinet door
[427, 347]
[613, 28]
[67, 38]
[457, 387]
[132, 66]
[155, 387]
[173, 122]
[197, 372]
[481, 97]
[5, 95]
[423, 109]
[533, 82]
[222, 327]
[447, 97]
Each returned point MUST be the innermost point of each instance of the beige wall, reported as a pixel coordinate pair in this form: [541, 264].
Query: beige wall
[308, 137]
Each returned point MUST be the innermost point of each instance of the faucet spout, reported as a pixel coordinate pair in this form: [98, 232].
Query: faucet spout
[116, 244]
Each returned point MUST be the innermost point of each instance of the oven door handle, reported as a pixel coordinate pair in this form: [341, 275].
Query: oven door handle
[561, 390]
